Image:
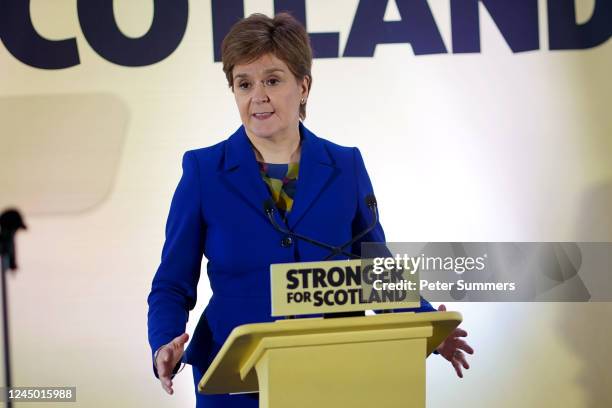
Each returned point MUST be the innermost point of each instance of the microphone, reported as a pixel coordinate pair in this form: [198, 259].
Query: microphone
[10, 223]
[370, 200]
[270, 209]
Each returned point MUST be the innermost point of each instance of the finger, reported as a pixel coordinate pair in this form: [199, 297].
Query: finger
[181, 340]
[166, 383]
[465, 347]
[457, 368]
[163, 355]
[165, 379]
[460, 357]
[463, 362]
[162, 369]
[459, 333]
[441, 308]
[167, 388]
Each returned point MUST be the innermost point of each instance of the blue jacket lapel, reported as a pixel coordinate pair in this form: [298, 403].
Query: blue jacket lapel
[316, 171]
[242, 172]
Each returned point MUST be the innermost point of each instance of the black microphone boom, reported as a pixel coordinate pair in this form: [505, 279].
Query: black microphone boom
[270, 209]
[370, 200]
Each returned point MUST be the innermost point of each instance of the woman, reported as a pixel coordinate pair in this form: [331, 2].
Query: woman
[218, 206]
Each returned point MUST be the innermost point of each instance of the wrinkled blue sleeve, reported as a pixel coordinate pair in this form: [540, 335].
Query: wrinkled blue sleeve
[173, 290]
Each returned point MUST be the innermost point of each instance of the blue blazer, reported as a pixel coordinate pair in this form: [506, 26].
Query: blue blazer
[218, 211]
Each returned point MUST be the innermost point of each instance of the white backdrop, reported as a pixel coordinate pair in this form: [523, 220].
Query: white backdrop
[491, 146]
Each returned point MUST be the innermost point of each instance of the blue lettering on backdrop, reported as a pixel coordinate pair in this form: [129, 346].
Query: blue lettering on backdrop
[164, 36]
[324, 45]
[516, 20]
[417, 27]
[226, 12]
[101, 31]
[24, 43]
[565, 34]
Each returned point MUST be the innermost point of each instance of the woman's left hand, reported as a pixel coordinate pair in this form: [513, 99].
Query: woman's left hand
[454, 348]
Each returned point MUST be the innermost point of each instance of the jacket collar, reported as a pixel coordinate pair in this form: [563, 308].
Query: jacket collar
[241, 170]
[239, 150]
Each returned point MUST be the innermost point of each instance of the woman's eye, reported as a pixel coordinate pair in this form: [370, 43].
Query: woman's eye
[272, 81]
[243, 85]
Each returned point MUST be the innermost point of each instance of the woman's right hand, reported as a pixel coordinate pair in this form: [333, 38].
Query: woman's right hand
[167, 358]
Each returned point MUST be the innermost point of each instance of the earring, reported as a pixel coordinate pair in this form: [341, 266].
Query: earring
[303, 101]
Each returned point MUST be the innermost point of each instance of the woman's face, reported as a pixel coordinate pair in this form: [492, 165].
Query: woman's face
[268, 97]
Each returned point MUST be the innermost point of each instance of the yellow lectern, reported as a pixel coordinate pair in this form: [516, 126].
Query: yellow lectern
[369, 361]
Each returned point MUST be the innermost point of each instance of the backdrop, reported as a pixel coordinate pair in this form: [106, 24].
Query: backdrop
[478, 121]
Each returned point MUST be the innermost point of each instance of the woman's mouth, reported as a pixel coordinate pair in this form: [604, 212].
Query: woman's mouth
[262, 115]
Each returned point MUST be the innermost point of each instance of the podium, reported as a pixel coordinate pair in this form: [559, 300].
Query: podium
[366, 361]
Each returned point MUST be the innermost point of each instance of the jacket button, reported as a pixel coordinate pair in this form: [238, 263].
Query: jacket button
[286, 242]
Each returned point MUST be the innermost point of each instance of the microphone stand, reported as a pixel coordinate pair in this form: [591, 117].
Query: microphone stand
[370, 200]
[10, 222]
[371, 204]
[270, 209]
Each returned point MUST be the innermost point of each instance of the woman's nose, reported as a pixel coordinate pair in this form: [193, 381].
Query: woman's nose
[259, 94]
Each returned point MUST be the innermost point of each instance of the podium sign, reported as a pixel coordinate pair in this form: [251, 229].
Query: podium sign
[336, 286]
